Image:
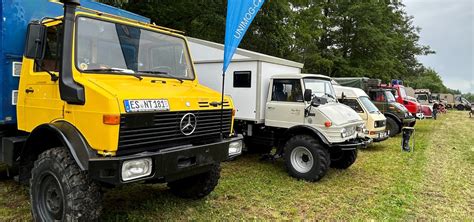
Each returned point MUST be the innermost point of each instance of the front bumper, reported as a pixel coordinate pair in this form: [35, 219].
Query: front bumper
[380, 136]
[167, 164]
[409, 121]
[353, 143]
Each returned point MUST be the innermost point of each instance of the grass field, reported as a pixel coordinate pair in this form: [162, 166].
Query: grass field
[436, 181]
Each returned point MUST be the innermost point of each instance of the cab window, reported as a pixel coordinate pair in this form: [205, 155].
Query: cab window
[287, 90]
[353, 104]
[377, 96]
[51, 62]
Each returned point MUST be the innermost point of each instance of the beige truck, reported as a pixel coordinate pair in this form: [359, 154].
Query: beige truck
[359, 101]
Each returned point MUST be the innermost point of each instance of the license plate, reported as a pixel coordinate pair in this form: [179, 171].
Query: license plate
[146, 105]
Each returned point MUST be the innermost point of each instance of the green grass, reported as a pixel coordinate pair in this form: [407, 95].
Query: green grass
[434, 182]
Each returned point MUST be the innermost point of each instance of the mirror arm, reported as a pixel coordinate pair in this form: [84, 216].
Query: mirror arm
[54, 77]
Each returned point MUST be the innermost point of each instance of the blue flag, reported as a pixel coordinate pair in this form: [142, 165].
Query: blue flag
[240, 14]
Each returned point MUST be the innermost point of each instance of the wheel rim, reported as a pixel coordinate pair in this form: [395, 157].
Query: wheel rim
[50, 198]
[301, 159]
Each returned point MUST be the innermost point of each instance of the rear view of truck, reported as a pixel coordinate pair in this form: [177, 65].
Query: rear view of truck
[104, 101]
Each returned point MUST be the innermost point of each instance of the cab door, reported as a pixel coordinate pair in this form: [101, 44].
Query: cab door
[42, 102]
[285, 105]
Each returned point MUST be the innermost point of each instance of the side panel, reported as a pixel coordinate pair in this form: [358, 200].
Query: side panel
[210, 75]
[267, 71]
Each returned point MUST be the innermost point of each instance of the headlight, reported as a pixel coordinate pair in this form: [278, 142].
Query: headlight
[133, 169]
[360, 128]
[235, 148]
[343, 132]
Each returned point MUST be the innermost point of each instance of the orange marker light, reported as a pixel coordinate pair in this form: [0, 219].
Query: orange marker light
[111, 119]
[233, 112]
[328, 124]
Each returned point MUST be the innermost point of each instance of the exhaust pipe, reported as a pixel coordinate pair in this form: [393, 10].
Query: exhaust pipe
[70, 91]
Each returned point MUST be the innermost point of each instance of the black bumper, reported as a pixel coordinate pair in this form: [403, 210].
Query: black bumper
[353, 144]
[168, 164]
[409, 121]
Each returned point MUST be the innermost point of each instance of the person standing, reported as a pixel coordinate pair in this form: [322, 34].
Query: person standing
[435, 110]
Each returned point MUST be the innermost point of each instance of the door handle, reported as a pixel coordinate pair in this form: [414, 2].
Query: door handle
[270, 107]
[29, 90]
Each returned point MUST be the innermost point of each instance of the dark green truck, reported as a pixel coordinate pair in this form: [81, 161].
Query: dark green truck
[397, 115]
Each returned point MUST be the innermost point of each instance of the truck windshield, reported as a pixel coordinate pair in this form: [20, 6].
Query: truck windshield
[390, 97]
[371, 108]
[403, 93]
[320, 88]
[423, 97]
[106, 47]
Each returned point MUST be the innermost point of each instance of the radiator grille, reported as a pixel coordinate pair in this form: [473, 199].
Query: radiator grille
[153, 131]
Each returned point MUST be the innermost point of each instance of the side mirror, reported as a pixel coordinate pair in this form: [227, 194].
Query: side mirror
[307, 95]
[35, 46]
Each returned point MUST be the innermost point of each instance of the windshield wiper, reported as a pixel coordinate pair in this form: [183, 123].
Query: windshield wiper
[163, 73]
[329, 95]
[119, 70]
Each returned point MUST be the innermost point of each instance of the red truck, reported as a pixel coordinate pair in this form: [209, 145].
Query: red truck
[401, 96]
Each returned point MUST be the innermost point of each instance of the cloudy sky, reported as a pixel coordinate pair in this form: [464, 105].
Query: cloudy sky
[448, 27]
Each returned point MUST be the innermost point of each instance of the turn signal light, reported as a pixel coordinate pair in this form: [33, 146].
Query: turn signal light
[233, 112]
[328, 124]
[111, 119]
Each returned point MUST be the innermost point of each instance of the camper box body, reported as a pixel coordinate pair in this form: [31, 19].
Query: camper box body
[248, 75]
[16, 15]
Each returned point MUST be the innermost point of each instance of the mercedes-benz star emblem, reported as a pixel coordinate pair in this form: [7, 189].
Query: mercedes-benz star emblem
[188, 124]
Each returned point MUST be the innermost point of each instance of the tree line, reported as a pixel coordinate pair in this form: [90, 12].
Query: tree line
[338, 38]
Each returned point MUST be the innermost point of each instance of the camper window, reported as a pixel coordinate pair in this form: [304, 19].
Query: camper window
[242, 79]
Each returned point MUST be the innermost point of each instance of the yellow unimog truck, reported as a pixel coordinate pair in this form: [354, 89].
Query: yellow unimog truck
[106, 101]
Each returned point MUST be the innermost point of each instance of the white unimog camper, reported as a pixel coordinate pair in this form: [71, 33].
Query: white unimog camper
[296, 113]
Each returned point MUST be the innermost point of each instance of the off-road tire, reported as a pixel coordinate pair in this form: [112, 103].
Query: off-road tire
[56, 179]
[343, 159]
[460, 107]
[393, 126]
[320, 156]
[198, 186]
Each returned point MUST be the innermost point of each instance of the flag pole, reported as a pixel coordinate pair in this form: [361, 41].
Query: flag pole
[222, 103]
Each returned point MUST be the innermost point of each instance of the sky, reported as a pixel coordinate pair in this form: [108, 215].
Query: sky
[447, 26]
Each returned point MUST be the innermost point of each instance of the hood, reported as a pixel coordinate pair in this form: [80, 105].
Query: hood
[339, 114]
[179, 95]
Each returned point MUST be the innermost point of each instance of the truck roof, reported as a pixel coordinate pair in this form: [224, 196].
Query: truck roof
[349, 91]
[300, 76]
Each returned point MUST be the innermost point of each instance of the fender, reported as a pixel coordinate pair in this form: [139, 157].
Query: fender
[51, 133]
[299, 129]
[393, 116]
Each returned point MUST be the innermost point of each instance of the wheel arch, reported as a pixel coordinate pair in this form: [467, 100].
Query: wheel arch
[394, 117]
[50, 135]
[301, 130]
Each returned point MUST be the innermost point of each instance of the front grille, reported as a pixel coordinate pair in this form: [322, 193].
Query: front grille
[207, 104]
[379, 123]
[153, 131]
